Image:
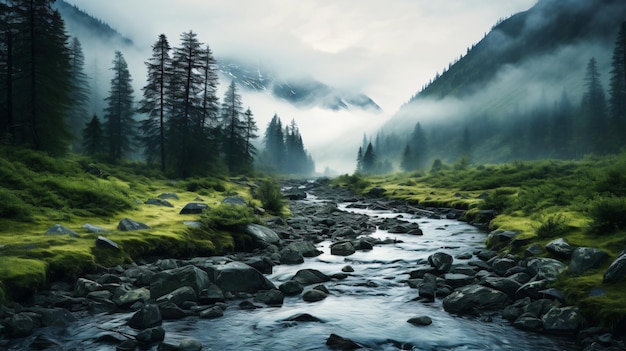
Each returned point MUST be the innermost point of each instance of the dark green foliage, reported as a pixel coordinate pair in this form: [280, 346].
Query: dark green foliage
[284, 150]
[12, 206]
[613, 182]
[77, 115]
[234, 130]
[93, 138]
[497, 200]
[555, 225]
[355, 182]
[228, 217]
[119, 124]
[199, 184]
[437, 166]
[271, 197]
[608, 215]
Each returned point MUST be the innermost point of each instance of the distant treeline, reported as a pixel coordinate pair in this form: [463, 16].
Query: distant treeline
[178, 125]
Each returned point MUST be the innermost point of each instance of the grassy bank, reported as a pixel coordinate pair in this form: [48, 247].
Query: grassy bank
[581, 201]
[37, 192]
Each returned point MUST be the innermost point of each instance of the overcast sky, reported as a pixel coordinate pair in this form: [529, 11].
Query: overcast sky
[386, 49]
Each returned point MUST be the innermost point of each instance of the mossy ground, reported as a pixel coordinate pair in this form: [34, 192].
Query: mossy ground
[40, 192]
[542, 200]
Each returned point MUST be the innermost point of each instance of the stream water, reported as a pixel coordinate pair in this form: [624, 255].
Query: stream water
[371, 306]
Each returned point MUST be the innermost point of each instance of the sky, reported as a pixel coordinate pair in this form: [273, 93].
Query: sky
[387, 49]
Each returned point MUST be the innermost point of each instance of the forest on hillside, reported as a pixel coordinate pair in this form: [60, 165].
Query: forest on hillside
[562, 127]
[176, 123]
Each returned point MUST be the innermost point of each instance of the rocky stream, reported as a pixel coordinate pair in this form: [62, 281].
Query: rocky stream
[342, 273]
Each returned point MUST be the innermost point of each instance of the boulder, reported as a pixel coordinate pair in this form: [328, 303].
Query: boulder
[533, 250]
[560, 248]
[147, 317]
[457, 280]
[58, 229]
[240, 277]
[291, 287]
[584, 258]
[189, 344]
[165, 282]
[545, 268]
[273, 297]
[474, 297]
[303, 317]
[178, 296]
[194, 208]
[313, 295]
[85, 286]
[289, 255]
[337, 342]
[506, 285]
[529, 322]
[212, 294]
[440, 261]
[501, 265]
[420, 321]
[376, 192]
[104, 243]
[21, 324]
[262, 235]
[56, 317]
[617, 269]
[159, 202]
[90, 228]
[168, 196]
[212, 312]
[306, 248]
[150, 336]
[127, 225]
[310, 276]
[563, 320]
[170, 311]
[343, 248]
[531, 289]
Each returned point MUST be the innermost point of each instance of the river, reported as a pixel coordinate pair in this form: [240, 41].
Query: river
[371, 306]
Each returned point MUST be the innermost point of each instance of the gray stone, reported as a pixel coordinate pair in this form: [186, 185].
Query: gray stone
[21, 325]
[560, 248]
[212, 294]
[545, 268]
[85, 286]
[291, 256]
[474, 297]
[194, 208]
[170, 311]
[150, 336]
[420, 321]
[190, 345]
[344, 248]
[273, 297]
[168, 196]
[127, 225]
[428, 288]
[501, 265]
[533, 250]
[263, 235]
[132, 296]
[240, 277]
[563, 320]
[337, 342]
[147, 317]
[310, 276]
[528, 322]
[457, 280]
[313, 295]
[585, 258]
[58, 229]
[440, 261]
[167, 281]
[104, 243]
[94, 229]
[178, 296]
[506, 285]
[617, 269]
[234, 200]
[531, 289]
[159, 202]
[306, 248]
[291, 287]
[212, 312]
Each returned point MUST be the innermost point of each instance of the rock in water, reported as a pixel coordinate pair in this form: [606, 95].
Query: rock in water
[337, 342]
[440, 261]
[474, 297]
[147, 317]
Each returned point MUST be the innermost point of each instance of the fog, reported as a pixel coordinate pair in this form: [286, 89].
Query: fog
[386, 50]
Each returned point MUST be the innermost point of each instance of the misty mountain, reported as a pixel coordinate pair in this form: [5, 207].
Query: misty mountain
[82, 24]
[304, 92]
[505, 90]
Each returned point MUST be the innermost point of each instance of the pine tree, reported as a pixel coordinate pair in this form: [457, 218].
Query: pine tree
[79, 94]
[250, 133]
[234, 132]
[119, 125]
[369, 160]
[275, 143]
[593, 109]
[617, 92]
[40, 64]
[418, 149]
[562, 131]
[7, 28]
[92, 137]
[406, 164]
[154, 103]
[359, 160]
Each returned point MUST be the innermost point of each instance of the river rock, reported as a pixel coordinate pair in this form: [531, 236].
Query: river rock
[310, 276]
[303, 317]
[178, 296]
[212, 294]
[420, 321]
[617, 269]
[529, 322]
[194, 208]
[289, 255]
[440, 261]
[561, 320]
[501, 266]
[337, 342]
[531, 289]
[533, 250]
[22, 324]
[584, 258]
[263, 235]
[127, 225]
[486, 255]
[58, 229]
[85, 286]
[189, 344]
[343, 248]
[130, 297]
[147, 317]
[212, 312]
[545, 268]
[273, 297]
[170, 311]
[239, 277]
[139, 276]
[474, 297]
[150, 336]
[313, 295]
[560, 248]
[165, 282]
[506, 285]
[457, 280]
[291, 287]
[55, 317]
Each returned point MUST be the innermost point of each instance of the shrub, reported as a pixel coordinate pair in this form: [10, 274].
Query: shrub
[497, 200]
[227, 216]
[553, 226]
[608, 215]
[437, 166]
[11, 206]
[271, 197]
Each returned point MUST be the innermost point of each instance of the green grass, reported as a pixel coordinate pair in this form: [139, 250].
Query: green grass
[582, 201]
[37, 192]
